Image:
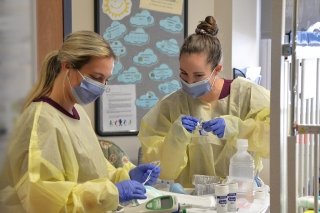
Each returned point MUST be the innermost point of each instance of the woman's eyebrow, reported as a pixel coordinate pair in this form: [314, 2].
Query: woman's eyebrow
[197, 73]
[194, 73]
[182, 69]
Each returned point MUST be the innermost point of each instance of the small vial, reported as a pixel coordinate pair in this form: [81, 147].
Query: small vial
[232, 197]
[201, 130]
[221, 191]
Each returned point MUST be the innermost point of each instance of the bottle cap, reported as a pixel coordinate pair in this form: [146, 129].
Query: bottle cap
[260, 194]
[221, 189]
[233, 187]
[242, 143]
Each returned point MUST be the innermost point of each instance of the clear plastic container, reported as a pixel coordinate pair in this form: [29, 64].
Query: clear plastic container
[204, 185]
[241, 170]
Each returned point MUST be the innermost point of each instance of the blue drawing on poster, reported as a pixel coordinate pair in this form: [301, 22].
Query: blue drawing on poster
[116, 69]
[171, 24]
[132, 75]
[169, 47]
[145, 58]
[115, 31]
[143, 19]
[137, 37]
[118, 48]
[147, 101]
[161, 73]
[169, 87]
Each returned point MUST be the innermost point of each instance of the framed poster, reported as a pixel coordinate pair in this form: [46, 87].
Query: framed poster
[146, 36]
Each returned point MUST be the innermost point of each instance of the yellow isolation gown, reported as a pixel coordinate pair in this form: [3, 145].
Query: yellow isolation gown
[54, 163]
[246, 112]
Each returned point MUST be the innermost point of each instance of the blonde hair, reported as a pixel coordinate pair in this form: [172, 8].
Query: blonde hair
[204, 40]
[77, 50]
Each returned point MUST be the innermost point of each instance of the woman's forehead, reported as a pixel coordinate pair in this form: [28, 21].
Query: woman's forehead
[194, 63]
[101, 66]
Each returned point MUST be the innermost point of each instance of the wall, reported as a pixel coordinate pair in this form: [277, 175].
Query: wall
[83, 19]
[239, 33]
[17, 62]
[49, 28]
[266, 19]
[223, 14]
[245, 33]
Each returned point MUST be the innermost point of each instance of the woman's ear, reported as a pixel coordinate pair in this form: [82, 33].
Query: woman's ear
[65, 66]
[218, 69]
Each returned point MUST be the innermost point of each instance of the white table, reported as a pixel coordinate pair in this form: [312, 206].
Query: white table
[204, 204]
[258, 205]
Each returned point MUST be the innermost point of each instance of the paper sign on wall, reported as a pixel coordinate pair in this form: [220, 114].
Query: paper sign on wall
[166, 6]
[119, 108]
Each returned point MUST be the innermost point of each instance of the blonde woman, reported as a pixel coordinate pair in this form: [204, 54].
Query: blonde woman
[54, 161]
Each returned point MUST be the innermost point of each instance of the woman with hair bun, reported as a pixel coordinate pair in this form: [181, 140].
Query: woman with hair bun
[225, 110]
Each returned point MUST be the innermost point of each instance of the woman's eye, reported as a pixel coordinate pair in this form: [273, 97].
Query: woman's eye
[199, 76]
[95, 78]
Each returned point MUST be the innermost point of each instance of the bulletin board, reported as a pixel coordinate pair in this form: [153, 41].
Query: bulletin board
[146, 36]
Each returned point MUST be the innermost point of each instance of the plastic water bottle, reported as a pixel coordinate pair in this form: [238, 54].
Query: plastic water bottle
[241, 170]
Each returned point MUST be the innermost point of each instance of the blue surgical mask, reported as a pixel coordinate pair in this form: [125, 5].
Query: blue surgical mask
[88, 90]
[199, 88]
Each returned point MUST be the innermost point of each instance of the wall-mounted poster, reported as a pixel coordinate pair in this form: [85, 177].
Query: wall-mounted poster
[146, 36]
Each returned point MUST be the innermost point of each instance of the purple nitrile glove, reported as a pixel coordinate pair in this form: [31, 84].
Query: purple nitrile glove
[141, 173]
[189, 123]
[216, 126]
[130, 189]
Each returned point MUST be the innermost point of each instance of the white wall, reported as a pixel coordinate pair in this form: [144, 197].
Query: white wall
[245, 33]
[239, 33]
[83, 19]
[223, 14]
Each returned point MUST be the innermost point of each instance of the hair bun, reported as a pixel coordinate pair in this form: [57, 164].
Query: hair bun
[208, 27]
